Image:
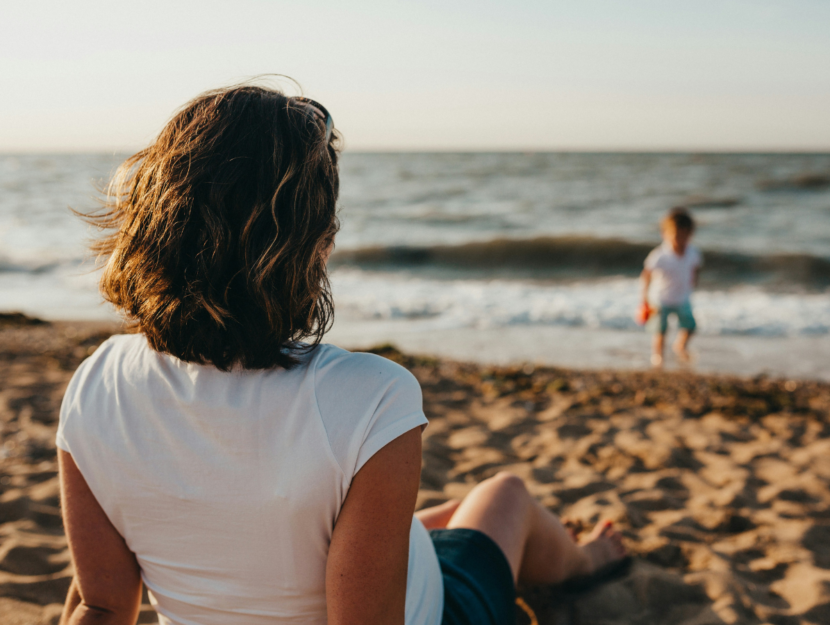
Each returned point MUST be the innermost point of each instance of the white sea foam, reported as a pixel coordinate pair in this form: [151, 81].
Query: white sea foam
[608, 304]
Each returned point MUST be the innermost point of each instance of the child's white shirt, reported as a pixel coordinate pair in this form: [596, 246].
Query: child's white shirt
[673, 275]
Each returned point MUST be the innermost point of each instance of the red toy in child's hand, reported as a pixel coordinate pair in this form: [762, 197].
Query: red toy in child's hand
[643, 313]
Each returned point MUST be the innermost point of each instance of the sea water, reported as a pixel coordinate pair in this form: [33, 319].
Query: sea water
[468, 245]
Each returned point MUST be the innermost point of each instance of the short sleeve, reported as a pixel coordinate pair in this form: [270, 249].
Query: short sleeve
[365, 402]
[653, 259]
[697, 258]
[400, 410]
[72, 397]
[60, 436]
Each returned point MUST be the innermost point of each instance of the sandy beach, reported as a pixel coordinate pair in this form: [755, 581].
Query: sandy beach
[719, 484]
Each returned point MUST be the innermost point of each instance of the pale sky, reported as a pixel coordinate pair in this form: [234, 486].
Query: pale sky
[458, 75]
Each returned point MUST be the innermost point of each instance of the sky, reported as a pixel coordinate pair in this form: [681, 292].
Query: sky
[721, 75]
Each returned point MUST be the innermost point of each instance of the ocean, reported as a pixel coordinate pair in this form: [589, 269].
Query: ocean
[506, 256]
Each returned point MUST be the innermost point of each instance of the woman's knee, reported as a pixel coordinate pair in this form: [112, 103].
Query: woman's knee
[503, 494]
[504, 485]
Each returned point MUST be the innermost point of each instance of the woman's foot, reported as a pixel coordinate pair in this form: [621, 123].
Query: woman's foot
[657, 361]
[603, 546]
[574, 527]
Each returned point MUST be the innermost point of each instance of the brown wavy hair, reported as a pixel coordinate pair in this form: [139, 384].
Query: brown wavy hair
[219, 231]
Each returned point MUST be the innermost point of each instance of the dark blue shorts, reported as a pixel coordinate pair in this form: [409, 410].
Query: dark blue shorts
[478, 583]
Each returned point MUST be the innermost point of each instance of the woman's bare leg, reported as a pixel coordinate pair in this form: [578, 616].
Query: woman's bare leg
[437, 517]
[537, 546]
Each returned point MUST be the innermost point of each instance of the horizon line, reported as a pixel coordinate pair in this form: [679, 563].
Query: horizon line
[490, 150]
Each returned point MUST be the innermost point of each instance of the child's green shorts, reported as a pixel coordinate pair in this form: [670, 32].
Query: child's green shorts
[685, 319]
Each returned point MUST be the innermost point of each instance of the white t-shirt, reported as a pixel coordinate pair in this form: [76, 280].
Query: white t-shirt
[227, 485]
[673, 275]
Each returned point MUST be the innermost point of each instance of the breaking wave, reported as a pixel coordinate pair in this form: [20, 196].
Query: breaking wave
[576, 258]
[607, 304]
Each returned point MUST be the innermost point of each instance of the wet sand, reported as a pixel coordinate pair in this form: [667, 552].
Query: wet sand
[721, 485]
[792, 357]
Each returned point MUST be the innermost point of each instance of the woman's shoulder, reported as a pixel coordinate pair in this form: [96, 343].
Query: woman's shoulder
[116, 357]
[93, 377]
[109, 351]
[334, 362]
[365, 401]
[361, 384]
[119, 344]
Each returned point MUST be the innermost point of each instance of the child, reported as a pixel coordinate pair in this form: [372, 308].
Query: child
[674, 266]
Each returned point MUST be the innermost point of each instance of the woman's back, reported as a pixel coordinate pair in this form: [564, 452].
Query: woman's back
[246, 473]
[227, 485]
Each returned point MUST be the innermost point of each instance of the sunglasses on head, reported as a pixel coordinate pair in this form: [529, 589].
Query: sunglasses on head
[319, 111]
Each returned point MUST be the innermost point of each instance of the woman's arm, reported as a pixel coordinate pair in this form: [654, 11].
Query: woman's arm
[369, 552]
[106, 589]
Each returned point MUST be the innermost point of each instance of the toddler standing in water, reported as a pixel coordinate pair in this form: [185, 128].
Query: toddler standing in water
[674, 266]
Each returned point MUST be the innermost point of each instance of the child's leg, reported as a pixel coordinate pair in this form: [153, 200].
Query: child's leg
[686, 321]
[681, 344]
[657, 347]
[536, 545]
[659, 325]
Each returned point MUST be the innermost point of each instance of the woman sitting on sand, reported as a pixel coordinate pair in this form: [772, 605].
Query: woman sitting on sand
[247, 473]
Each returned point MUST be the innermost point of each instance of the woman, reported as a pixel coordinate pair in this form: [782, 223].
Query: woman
[244, 471]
